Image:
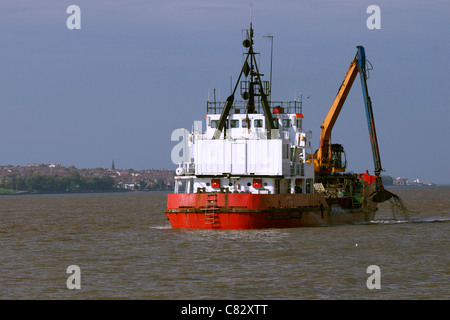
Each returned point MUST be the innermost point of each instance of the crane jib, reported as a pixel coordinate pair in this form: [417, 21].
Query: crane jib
[361, 58]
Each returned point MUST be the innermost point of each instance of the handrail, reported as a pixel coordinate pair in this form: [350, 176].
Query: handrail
[216, 107]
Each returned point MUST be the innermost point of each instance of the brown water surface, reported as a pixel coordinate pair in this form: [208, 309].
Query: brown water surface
[126, 249]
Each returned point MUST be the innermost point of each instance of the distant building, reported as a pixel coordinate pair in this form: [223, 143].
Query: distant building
[401, 181]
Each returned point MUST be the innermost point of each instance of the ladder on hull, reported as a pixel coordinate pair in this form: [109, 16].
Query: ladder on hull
[211, 214]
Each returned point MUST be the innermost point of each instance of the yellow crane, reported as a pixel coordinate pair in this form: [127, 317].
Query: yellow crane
[330, 158]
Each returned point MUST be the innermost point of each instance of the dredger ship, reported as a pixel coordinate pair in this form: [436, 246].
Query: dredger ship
[254, 166]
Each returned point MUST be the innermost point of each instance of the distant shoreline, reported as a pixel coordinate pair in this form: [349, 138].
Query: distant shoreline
[54, 178]
[20, 193]
[418, 186]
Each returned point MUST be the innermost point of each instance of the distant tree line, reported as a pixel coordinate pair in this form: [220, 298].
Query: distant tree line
[159, 185]
[77, 183]
[72, 183]
[387, 180]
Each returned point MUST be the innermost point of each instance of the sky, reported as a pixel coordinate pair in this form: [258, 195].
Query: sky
[136, 70]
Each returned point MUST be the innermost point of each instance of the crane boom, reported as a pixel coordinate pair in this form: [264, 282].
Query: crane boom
[369, 112]
[326, 155]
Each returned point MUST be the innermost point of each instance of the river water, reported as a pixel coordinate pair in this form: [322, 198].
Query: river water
[125, 249]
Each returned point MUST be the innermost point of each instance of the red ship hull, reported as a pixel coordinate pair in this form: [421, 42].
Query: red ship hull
[253, 211]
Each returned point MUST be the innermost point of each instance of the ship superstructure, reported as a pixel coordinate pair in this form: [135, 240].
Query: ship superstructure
[246, 158]
[250, 146]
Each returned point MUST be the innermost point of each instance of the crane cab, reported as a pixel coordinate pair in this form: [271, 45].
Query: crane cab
[333, 161]
[338, 159]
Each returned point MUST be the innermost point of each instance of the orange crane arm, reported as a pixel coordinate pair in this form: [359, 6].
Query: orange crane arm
[333, 113]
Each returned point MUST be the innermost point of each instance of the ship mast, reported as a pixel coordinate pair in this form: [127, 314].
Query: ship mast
[253, 83]
[248, 43]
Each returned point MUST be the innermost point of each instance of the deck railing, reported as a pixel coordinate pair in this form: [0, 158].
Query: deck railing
[216, 107]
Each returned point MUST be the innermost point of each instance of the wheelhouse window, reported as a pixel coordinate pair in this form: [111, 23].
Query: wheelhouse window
[234, 123]
[214, 123]
[286, 123]
[246, 124]
[258, 123]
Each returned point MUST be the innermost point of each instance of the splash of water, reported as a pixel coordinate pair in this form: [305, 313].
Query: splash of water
[398, 208]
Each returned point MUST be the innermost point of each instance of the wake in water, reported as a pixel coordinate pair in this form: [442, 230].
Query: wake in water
[161, 227]
[409, 220]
